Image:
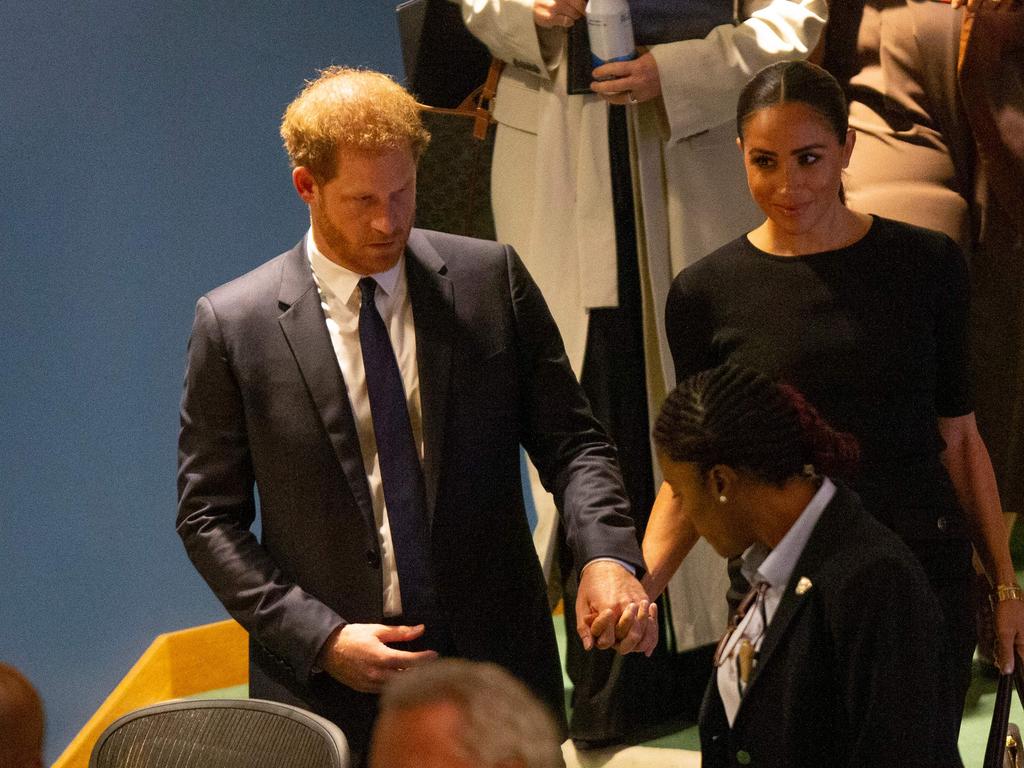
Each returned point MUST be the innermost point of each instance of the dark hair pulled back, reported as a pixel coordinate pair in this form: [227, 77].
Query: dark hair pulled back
[795, 81]
[740, 418]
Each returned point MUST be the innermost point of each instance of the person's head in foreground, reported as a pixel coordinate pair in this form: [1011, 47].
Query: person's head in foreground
[455, 713]
[21, 721]
[745, 455]
[354, 138]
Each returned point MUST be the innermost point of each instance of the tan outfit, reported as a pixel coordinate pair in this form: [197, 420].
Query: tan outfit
[919, 129]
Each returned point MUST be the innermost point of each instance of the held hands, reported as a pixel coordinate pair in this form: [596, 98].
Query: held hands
[357, 655]
[557, 13]
[612, 610]
[628, 82]
[635, 631]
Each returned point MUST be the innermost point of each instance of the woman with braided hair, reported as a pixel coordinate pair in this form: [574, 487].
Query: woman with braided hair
[836, 655]
[868, 318]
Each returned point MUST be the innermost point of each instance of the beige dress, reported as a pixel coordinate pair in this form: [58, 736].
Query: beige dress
[916, 161]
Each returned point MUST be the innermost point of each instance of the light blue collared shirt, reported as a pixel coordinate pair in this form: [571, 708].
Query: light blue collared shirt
[774, 568]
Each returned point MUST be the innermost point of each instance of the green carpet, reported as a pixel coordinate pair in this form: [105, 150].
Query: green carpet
[973, 731]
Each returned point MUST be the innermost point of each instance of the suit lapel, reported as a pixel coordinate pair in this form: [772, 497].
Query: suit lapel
[789, 606]
[819, 545]
[303, 324]
[430, 292]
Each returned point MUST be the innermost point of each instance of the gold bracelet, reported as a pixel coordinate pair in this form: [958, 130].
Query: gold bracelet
[1003, 592]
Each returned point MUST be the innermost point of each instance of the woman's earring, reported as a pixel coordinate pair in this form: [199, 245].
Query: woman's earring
[722, 499]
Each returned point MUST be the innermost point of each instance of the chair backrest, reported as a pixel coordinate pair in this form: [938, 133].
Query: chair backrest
[221, 733]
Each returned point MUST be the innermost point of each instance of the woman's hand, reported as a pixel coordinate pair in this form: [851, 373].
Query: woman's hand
[628, 82]
[970, 470]
[557, 13]
[1009, 621]
[636, 631]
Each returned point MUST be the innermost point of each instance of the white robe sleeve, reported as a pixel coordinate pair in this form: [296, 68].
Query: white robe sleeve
[701, 79]
[507, 28]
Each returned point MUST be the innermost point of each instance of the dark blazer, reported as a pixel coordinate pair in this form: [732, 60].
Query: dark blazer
[851, 672]
[264, 404]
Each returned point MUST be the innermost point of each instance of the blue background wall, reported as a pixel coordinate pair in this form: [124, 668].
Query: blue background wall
[140, 166]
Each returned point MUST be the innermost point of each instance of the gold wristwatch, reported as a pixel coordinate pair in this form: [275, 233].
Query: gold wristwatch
[1003, 592]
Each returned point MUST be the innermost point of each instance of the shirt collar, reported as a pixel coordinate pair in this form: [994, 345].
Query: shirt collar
[343, 282]
[775, 566]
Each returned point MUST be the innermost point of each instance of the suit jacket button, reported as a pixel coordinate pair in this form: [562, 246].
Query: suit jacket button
[372, 559]
[942, 524]
[743, 757]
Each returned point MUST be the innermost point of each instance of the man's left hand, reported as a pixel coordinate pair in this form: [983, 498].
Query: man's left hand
[612, 610]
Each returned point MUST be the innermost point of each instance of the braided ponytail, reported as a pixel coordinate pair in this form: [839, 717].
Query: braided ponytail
[735, 416]
[833, 453]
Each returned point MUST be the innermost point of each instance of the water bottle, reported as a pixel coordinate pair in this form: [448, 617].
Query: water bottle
[610, 29]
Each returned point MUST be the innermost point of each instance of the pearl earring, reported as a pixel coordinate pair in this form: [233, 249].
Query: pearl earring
[722, 499]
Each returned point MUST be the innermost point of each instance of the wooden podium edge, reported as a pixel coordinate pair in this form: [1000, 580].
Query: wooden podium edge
[176, 664]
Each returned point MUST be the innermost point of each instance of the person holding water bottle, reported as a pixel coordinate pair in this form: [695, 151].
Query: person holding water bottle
[608, 180]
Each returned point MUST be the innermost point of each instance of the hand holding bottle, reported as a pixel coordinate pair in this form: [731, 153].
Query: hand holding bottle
[628, 82]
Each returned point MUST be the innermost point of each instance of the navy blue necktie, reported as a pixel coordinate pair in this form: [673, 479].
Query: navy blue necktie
[401, 473]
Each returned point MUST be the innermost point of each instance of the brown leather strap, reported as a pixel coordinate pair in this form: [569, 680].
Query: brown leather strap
[483, 107]
[478, 105]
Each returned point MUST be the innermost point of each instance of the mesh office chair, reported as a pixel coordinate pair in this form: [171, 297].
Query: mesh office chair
[221, 733]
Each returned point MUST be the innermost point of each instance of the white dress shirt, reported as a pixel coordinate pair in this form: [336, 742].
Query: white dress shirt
[340, 300]
[772, 567]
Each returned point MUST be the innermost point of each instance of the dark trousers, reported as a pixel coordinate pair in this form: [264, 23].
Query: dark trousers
[625, 698]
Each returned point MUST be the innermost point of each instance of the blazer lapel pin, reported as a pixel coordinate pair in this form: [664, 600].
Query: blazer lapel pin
[803, 585]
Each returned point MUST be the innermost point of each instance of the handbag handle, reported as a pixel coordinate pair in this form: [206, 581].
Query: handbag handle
[478, 104]
[995, 747]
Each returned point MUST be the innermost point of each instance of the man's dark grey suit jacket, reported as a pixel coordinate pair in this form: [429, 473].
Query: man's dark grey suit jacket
[265, 405]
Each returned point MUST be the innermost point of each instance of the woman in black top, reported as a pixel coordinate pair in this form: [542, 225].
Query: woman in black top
[868, 317]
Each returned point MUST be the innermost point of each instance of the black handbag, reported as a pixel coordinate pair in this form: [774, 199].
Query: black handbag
[654, 22]
[454, 77]
[443, 62]
[1004, 748]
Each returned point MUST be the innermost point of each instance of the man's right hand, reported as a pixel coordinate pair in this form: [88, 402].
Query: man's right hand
[357, 655]
[612, 610]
